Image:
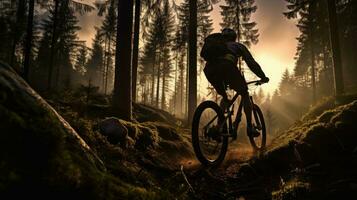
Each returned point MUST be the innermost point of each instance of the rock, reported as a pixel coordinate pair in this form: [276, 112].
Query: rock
[40, 153]
[167, 132]
[114, 130]
[147, 137]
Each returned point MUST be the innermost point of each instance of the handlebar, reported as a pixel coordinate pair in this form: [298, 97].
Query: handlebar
[257, 82]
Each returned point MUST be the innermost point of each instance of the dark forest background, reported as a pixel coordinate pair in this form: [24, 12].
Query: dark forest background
[39, 38]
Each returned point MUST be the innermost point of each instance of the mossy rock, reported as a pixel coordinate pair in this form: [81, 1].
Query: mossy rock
[114, 130]
[147, 137]
[145, 113]
[167, 132]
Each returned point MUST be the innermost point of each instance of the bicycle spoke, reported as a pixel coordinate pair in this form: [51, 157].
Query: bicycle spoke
[208, 143]
[209, 137]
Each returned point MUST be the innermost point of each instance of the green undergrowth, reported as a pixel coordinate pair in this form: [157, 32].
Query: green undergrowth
[294, 189]
[328, 103]
[149, 158]
[46, 156]
[321, 150]
[96, 105]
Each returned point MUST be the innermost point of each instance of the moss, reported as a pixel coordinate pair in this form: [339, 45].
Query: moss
[294, 189]
[133, 129]
[147, 137]
[167, 132]
[327, 141]
[43, 157]
[328, 104]
[326, 116]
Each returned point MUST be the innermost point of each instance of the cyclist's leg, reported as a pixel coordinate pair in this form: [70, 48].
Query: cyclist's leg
[215, 76]
[238, 83]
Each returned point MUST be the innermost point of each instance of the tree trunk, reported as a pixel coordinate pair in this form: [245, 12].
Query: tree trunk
[239, 33]
[20, 15]
[107, 66]
[53, 40]
[182, 83]
[187, 85]
[122, 84]
[175, 84]
[158, 82]
[312, 48]
[153, 78]
[192, 72]
[136, 45]
[144, 92]
[29, 36]
[57, 73]
[163, 99]
[335, 49]
[105, 55]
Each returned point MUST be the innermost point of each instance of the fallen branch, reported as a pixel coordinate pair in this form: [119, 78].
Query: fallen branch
[185, 178]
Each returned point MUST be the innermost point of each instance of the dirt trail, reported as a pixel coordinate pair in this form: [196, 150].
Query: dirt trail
[224, 181]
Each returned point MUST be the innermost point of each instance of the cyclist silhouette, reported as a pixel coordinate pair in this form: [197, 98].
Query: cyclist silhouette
[223, 71]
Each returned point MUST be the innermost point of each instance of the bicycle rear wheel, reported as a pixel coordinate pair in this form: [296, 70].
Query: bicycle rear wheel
[209, 144]
[258, 143]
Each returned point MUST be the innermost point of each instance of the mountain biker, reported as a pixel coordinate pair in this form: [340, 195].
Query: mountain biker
[223, 71]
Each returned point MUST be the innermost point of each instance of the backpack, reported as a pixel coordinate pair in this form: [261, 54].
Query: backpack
[214, 47]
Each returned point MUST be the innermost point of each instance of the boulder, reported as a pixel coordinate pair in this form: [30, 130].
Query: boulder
[114, 130]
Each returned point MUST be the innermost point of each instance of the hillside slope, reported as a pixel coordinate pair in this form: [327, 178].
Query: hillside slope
[44, 156]
[316, 159]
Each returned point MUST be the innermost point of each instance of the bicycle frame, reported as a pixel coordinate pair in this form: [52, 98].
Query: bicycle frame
[233, 127]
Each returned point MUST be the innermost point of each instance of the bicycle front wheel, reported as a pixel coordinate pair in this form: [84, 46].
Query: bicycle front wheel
[258, 143]
[209, 143]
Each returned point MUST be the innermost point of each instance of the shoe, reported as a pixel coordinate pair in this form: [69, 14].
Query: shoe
[224, 104]
[252, 132]
[234, 135]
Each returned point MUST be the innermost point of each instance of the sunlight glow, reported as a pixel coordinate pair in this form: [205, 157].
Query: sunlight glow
[274, 52]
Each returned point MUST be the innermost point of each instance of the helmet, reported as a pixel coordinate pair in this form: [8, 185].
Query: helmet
[229, 33]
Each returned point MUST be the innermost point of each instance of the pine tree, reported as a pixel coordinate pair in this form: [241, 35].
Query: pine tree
[285, 85]
[13, 28]
[335, 46]
[29, 38]
[107, 32]
[204, 28]
[7, 24]
[57, 14]
[95, 62]
[81, 59]
[65, 44]
[168, 29]
[237, 15]
[156, 61]
[151, 57]
[122, 96]
[307, 26]
[135, 60]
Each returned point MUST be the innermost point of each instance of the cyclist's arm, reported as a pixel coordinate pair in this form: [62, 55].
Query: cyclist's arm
[252, 64]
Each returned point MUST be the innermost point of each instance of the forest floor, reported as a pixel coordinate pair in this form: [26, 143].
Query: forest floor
[56, 149]
[315, 158]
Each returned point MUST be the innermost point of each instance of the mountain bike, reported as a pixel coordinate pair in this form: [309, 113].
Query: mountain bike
[212, 127]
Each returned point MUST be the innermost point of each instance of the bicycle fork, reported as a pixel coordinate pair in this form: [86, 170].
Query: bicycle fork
[257, 121]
